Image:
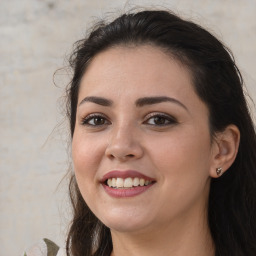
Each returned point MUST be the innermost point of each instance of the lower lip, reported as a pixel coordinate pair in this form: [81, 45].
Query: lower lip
[126, 192]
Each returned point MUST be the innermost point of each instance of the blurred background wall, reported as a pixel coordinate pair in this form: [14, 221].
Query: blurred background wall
[35, 37]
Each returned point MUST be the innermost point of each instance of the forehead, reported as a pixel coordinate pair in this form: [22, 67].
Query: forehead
[142, 69]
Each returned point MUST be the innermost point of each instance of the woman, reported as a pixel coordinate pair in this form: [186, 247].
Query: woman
[163, 146]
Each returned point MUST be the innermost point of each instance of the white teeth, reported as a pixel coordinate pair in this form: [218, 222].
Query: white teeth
[136, 182]
[119, 182]
[113, 181]
[109, 182]
[127, 183]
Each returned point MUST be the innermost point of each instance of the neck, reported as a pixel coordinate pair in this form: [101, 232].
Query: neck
[181, 237]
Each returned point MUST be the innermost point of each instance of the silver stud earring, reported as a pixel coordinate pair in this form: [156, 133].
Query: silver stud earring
[219, 171]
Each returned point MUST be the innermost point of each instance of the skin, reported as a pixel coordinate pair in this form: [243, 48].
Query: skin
[170, 218]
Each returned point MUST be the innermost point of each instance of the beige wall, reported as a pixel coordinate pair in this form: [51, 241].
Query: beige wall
[35, 35]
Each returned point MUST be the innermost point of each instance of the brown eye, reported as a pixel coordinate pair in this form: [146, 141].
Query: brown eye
[98, 121]
[95, 120]
[160, 120]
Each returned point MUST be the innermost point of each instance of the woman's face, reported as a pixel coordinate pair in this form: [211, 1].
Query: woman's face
[141, 148]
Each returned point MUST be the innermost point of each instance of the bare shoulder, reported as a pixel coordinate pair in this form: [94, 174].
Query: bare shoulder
[45, 247]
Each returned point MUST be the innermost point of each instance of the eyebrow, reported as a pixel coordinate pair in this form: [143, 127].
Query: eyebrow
[97, 100]
[155, 100]
[139, 102]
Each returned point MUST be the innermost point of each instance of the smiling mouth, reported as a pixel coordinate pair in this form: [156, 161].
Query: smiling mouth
[127, 183]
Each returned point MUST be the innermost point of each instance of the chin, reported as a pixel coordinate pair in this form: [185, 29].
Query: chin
[127, 227]
[125, 221]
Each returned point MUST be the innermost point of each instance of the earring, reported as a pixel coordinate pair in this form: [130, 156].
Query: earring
[219, 171]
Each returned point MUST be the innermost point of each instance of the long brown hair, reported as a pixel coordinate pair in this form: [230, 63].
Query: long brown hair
[217, 81]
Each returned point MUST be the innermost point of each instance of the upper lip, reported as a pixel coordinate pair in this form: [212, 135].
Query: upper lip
[125, 174]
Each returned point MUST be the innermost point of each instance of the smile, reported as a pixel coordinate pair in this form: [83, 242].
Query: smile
[127, 183]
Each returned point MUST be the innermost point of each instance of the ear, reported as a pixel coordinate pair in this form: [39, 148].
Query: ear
[225, 148]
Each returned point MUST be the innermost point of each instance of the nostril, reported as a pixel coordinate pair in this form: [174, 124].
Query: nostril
[122, 157]
[123, 151]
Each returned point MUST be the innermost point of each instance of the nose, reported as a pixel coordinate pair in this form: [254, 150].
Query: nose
[124, 144]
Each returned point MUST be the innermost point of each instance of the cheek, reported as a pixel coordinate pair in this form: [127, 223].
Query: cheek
[190, 148]
[183, 162]
[86, 154]
[182, 166]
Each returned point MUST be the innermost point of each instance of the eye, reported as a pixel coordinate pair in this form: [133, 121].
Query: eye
[95, 120]
[160, 119]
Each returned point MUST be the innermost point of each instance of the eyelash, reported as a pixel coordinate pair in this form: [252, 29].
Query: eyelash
[166, 119]
[87, 119]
